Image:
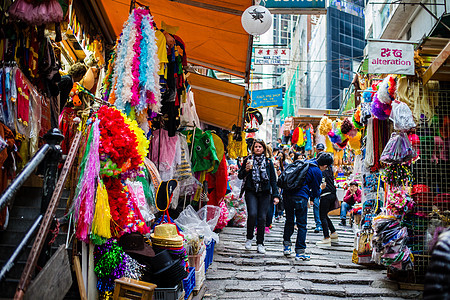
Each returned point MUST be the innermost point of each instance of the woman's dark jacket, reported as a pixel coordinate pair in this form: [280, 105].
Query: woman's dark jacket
[250, 186]
[437, 279]
[329, 179]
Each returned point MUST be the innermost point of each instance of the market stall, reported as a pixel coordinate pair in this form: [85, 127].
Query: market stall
[402, 125]
[148, 181]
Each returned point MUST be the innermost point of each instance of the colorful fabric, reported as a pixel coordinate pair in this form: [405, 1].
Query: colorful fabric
[309, 133]
[217, 183]
[163, 149]
[237, 148]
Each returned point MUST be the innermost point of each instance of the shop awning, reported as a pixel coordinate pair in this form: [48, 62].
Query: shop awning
[211, 30]
[435, 51]
[436, 55]
[218, 102]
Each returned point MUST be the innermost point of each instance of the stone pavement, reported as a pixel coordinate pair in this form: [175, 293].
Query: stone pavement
[240, 274]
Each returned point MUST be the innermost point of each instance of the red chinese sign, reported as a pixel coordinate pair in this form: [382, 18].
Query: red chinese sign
[271, 56]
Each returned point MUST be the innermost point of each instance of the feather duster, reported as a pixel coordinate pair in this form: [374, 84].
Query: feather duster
[346, 126]
[325, 126]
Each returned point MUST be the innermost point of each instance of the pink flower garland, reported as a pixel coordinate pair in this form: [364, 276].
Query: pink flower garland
[138, 13]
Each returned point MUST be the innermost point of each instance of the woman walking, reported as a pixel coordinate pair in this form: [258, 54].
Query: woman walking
[327, 201]
[260, 187]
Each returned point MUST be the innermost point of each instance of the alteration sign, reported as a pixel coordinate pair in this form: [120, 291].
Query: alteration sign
[390, 58]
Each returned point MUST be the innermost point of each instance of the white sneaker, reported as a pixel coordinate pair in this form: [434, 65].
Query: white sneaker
[334, 237]
[324, 243]
[248, 245]
[261, 249]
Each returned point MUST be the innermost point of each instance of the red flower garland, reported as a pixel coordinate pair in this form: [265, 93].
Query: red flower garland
[117, 141]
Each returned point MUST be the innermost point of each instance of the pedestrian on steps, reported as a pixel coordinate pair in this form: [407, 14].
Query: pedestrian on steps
[327, 203]
[352, 196]
[296, 205]
[260, 187]
[320, 148]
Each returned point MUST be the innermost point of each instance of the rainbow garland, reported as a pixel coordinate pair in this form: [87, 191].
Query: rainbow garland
[133, 85]
[123, 147]
[115, 152]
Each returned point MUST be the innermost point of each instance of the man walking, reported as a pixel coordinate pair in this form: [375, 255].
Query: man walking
[296, 205]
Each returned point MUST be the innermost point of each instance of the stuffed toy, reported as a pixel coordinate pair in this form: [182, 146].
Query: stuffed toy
[204, 154]
[74, 95]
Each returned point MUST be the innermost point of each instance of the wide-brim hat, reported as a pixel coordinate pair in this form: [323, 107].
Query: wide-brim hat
[167, 233]
[162, 262]
[171, 275]
[164, 194]
[134, 243]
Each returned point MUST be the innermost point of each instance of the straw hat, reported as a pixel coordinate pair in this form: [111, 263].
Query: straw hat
[166, 233]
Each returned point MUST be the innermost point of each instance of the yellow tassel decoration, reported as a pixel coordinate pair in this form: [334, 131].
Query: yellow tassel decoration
[102, 216]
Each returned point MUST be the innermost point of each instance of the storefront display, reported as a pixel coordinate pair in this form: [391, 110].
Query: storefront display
[401, 166]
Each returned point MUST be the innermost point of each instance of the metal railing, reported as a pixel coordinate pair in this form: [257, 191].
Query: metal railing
[53, 193]
[50, 155]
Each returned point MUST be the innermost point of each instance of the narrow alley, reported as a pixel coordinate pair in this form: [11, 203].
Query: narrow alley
[330, 274]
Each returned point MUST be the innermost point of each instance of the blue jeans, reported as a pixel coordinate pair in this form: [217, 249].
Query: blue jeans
[345, 207]
[316, 213]
[295, 207]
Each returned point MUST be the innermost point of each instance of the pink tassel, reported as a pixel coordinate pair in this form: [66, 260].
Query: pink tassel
[84, 201]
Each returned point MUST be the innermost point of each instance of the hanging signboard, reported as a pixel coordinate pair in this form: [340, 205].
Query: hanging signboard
[390, 57]
[295, 6]
[267, 98]
[271, 56]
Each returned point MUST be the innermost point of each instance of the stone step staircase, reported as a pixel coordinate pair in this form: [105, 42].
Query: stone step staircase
[26, 208]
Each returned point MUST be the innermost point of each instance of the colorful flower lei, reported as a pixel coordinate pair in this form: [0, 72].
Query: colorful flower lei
[118, 142]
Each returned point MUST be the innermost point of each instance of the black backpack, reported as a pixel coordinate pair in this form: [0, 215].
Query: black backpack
[293, 176]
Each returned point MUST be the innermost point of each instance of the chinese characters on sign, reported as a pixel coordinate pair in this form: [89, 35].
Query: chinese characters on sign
[271, 56]
[391, 58]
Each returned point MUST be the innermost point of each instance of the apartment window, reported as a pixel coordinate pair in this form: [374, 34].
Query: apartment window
[345, 68]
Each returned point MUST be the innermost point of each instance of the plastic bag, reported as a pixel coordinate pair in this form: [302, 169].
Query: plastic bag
[235, 185]
[402, 116]
[190, 222]
[240, 217]
[210, 214]
[398, 149]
